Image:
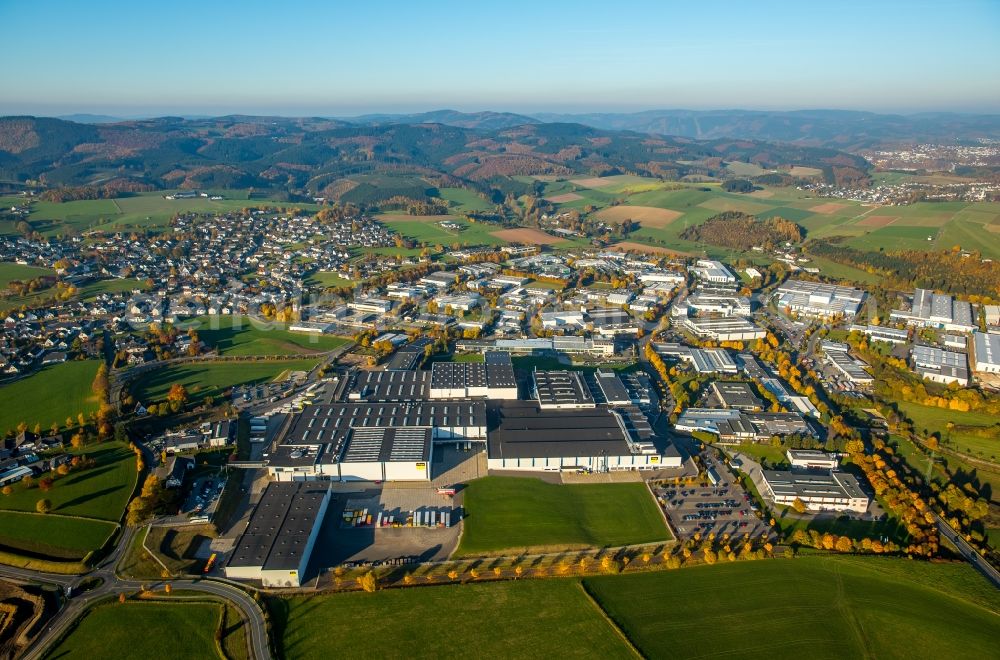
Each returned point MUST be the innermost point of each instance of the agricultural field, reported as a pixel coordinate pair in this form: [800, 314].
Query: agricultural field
[50, 395]
[869, 227]
[141, 211]
[523, 619]
[100, 492]
[51, 537]
[213, 378]
[428, 229]
[10, 272]
[464, 200]
[935, 420]
[527, 236]
[240, 335]
[130, 626]
[507, 513]
[815, 606]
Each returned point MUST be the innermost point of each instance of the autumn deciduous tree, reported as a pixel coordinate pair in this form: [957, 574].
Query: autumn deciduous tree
[43, 506]
[798, 505]
[368, 582]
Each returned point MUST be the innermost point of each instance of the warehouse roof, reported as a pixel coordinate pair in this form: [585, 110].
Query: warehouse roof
[524, 430]
[329, 423]
[808, 485]
[382, 445]
[278, 531]
[389, 386]
[499, 369]
[562, 389]
[736, 395]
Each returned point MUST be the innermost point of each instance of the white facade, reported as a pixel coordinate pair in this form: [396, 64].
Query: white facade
[987, 352]
[594, 463]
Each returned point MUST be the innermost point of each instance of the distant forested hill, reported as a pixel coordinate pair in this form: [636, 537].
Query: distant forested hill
[313, 156]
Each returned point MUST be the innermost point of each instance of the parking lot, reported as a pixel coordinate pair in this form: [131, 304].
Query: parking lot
[203, 496]
[722, 508]
[342, 543]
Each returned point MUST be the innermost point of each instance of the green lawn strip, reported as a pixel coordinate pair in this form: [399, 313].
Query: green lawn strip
[129, 627]
[100, 492]
[205, 379]
[239, 335]
[816, 607]
[52, 394]
[935, 420]
[522, 619]
[11, 272]
[504, 513]
[52, 537]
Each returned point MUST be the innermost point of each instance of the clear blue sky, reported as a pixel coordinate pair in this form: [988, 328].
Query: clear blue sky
[296, 57]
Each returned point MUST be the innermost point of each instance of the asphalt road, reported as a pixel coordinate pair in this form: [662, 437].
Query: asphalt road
[113, 585]
[968, 552]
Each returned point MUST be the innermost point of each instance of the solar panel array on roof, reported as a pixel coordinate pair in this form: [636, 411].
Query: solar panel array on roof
[381, 445]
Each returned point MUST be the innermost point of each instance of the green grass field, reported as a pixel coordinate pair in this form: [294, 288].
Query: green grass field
[239, 335]
[935, 420]
[818, 606]
[815, 607]
[513, 513]
[50, 536]
[213, 378]
[526, 619]
[464, 200]
[143, 211]
[9, 272]
[100, 492]
[130, 629]
[427, 229]
[51, 395]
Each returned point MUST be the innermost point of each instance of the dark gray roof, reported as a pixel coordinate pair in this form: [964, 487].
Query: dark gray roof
[555, 388]
[452, 375]
[370, 445]
[612, 387]
[736, 395]
[280, 525]
[524, 430]
[404, 360]
[499, 369]
[389, 386]
[330, 423]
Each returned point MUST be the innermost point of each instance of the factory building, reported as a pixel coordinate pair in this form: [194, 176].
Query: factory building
[735, 426]
[986, 350]
[728, 328]
[556, 390]
[708, 270]
[812, 459]
[848, 367]
[936, 310]
[818, 299]
[737, 396]
[940, 366]
[276, 546]
[704, 360]
[880, 333]
[828, 491]
[529, 438]
[330, 441]
[718, 300]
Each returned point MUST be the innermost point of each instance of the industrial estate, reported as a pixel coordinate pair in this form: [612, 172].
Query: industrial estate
[655, 384]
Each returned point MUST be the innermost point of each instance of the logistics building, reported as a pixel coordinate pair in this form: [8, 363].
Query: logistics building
[276, 546]
[818, 299]
[528, 437]
[940, 366]
[986, 347]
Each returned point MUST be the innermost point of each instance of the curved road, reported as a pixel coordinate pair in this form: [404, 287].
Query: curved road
[256, 629]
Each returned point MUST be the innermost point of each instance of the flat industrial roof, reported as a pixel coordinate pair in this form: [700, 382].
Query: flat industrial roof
[736, 395]
[562, 388]
[389, 386]
[524, 430]
[329, 423]
[387, 445]
[278, 531]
